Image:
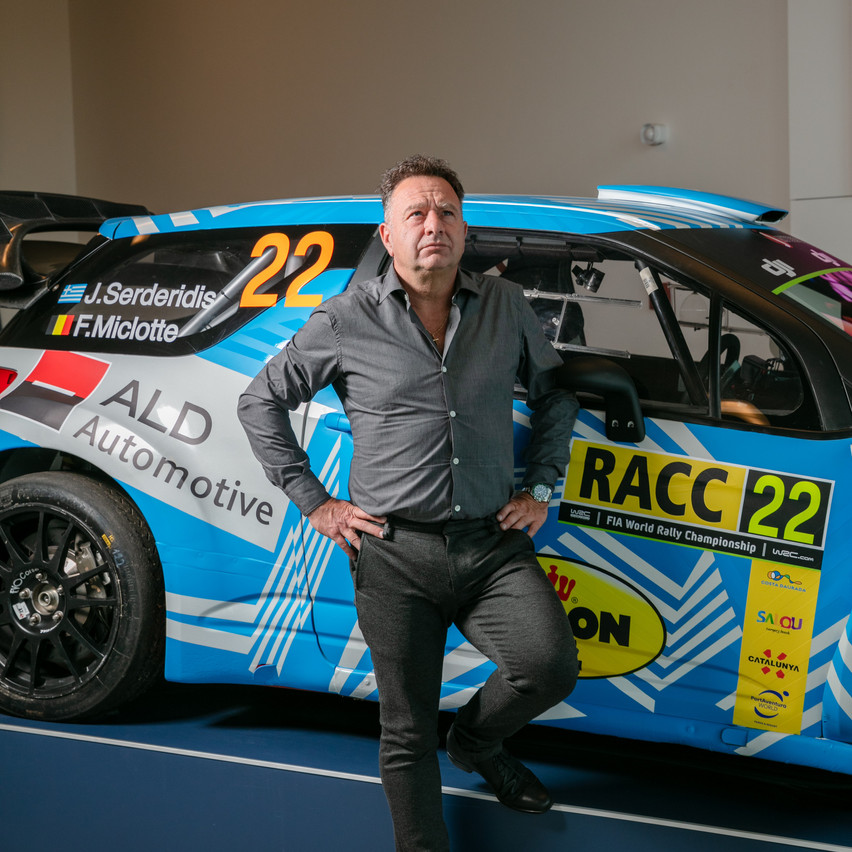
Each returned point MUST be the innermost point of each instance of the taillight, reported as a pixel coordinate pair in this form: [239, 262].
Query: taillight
[7, 377]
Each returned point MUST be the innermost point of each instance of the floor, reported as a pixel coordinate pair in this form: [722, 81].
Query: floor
[237, 768]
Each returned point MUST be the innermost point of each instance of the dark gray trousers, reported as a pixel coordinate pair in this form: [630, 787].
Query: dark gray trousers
[408, 591]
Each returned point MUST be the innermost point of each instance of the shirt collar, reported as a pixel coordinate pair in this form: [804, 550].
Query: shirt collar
[464, 282]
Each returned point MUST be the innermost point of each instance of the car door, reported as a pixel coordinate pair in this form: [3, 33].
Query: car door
[688, 562]
[697, 565]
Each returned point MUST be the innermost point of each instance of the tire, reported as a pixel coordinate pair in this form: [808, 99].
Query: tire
[82, 616]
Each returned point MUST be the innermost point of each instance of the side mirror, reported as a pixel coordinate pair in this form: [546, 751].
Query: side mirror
[600, 376]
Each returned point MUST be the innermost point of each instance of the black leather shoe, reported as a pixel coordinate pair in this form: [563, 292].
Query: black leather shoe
[513, 784]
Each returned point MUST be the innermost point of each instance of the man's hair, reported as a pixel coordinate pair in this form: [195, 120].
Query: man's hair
[418, 166]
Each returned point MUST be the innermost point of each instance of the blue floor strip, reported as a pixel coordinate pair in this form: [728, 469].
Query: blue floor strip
[275, 770]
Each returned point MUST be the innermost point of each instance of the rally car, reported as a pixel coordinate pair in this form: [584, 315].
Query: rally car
[696, 540]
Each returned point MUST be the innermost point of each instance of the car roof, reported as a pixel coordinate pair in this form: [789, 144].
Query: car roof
[617, 208]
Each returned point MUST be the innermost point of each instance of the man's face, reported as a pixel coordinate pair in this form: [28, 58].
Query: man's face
[423, 229]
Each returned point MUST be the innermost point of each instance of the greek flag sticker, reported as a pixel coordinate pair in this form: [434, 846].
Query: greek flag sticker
[71, 293]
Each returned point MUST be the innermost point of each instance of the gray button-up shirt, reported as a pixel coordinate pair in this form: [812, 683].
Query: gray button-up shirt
[432, 431]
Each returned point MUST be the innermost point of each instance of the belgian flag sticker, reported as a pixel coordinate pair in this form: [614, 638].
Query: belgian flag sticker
[61, 324]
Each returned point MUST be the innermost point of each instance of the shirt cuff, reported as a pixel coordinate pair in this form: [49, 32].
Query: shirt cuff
[540, 474]
[308, 493]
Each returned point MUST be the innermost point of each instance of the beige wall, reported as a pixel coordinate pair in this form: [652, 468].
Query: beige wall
[820, 71]
[36, 113]
[186, 102]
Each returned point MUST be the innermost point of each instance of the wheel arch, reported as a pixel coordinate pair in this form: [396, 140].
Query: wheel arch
[20, 461]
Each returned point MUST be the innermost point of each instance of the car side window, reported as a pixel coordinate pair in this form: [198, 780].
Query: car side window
[760, 380]
[592, 301]
[179, 293]
[595, 300]
[626, 323]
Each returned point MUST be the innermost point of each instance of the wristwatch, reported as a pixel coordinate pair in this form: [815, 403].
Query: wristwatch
[540, 492]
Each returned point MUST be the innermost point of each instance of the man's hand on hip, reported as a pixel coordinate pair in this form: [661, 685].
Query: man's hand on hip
[342, 522]
[523, 513]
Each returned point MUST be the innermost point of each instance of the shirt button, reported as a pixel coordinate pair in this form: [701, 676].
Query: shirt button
[457, 508]
[452, 414]
[455, 461]
[443, 369]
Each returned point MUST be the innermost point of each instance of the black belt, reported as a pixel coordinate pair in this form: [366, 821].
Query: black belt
[436, 527]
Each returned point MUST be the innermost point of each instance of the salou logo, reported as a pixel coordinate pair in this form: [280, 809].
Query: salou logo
[779, 623]
[57, 384]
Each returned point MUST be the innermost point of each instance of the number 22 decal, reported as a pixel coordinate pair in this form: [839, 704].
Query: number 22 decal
[803, 490]
[280, 244]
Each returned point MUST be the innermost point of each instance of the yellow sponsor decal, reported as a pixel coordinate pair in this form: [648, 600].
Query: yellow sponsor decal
[697, 502]
[618, 630]
[776, 646]
[697, 492]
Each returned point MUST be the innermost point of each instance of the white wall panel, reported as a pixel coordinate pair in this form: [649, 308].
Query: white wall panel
[820, 71]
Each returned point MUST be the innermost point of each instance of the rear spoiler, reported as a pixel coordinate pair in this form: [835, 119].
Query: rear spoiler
[695, 202]
[23, 213]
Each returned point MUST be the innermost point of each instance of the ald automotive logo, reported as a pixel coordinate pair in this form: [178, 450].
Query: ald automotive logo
[57, 384]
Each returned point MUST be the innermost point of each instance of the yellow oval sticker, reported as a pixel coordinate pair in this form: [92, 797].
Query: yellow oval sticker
[618, 630]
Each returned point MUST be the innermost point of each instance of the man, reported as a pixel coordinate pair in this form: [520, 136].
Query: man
[424, 360]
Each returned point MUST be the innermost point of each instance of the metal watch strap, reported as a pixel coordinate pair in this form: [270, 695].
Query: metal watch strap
[540, 492]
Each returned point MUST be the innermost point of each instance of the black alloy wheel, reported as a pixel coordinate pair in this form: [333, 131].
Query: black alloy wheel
[81, 598]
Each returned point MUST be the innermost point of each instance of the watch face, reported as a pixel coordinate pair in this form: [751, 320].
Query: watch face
[541, 493]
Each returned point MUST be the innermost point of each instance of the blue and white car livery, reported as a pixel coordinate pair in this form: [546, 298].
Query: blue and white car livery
[696, 540]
